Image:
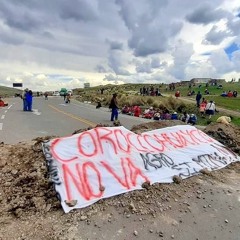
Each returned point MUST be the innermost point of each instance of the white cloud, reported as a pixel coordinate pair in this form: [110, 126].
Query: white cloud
[49, 44]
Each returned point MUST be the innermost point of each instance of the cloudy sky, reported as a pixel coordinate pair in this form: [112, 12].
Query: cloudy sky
[49, 44]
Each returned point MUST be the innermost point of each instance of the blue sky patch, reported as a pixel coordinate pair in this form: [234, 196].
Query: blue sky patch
[230, 49]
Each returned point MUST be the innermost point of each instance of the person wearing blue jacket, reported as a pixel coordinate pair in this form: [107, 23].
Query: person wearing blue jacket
[29, 98]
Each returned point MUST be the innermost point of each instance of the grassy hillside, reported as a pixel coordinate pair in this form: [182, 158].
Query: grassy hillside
[133, 89]
[8, 92]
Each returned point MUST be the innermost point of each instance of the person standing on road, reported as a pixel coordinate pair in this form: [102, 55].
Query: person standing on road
[114, 106]
[46, 95]
[24, 98]
[67, 98]
[29, 97]
[198, 98]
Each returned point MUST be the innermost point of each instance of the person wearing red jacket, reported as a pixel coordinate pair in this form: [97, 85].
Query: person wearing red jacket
[137, 111]
[177, 94]
[2, 104]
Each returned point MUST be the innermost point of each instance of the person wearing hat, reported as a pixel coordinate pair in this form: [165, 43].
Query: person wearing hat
[192, 119]
[174, 116]
[24, 98]
[114, 106]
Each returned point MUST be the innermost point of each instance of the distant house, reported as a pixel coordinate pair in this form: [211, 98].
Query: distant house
[183, 83]
[216, 81]
[86, 85]
[211, 81]
[200, 80]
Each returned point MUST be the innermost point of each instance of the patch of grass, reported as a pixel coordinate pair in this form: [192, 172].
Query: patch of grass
[225, 102]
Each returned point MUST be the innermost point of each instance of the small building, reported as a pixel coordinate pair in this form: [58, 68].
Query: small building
[200, 80]
[211, 81]
[86, 85]
[216, 82]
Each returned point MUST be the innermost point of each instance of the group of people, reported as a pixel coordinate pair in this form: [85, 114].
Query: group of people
[27, 98]
[149, 91]
[208, 108]
[158, 114]
[149, 113]
[229, 94]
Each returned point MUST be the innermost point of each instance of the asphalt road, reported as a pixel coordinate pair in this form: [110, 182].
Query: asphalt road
[52, 117]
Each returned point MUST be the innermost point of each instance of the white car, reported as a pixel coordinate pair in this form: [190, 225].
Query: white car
[56, 93]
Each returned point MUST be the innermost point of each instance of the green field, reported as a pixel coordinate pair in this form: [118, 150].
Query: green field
[225, 102]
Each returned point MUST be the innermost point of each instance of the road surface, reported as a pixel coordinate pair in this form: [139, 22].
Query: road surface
[52, 117]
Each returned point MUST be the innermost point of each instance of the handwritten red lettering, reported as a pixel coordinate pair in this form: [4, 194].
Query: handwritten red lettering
[56, 156]
[130, 173]
[121, 141]
[82, 146]
[132, 137]
[105, 134]
[149, 139]
[81, 182]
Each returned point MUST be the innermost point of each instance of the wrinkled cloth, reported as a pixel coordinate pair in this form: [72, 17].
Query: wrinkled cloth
[224, 119]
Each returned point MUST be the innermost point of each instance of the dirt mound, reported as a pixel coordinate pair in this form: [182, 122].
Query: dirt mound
[24, 185]
[228, 135]
[155, 125]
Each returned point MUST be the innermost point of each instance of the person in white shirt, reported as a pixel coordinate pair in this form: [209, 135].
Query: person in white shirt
[210, 108]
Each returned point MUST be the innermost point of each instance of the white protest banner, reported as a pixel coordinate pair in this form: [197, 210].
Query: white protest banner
[108, 161]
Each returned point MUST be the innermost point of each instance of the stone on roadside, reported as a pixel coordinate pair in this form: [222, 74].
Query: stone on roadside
[71, 203]
[177, 179]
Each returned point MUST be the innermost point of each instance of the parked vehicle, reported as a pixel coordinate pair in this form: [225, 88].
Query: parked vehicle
[63, 92]
[56, 93]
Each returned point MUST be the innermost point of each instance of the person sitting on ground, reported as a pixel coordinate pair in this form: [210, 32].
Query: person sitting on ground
[166, 115]
[224, 119]
[230, 94]
[148, 113]
[210, 109]
[137, 111]
[125, 109]
[157, 115]
[177, 94]
[192, 119]
[174, 116]
[224, 94]
[99, 105]
[235, 93]
[2, 104]
[206, 91]
[185, 117]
